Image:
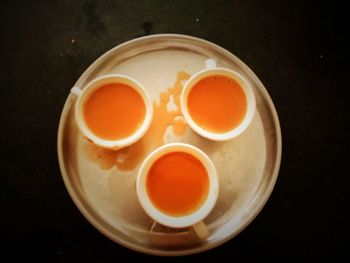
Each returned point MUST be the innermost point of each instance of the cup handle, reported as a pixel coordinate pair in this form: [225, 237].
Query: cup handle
[76, 91]
[210, 63]
[201, 230]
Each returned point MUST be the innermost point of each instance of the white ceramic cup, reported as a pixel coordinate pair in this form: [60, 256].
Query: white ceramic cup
[177, 221]
[211, 70]
[83, 95]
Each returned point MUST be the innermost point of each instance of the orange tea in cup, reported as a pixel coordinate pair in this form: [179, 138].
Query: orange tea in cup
[217, 103]
[177, 183]
[114, 111]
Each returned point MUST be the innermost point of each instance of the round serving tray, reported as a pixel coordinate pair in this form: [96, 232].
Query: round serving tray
[102, 182]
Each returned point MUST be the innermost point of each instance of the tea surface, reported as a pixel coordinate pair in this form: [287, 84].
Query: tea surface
[177, 183]
[114, 111]
[217, 103]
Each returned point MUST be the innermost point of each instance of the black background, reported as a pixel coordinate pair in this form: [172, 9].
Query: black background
[299, 51]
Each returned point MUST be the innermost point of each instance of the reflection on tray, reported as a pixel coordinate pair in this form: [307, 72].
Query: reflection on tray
[172, 237]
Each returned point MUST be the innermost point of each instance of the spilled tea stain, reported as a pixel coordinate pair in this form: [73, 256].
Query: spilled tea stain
[128, 158]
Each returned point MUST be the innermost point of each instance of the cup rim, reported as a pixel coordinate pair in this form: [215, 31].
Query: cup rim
[177, 221]
[249, 94]
[99, 82]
